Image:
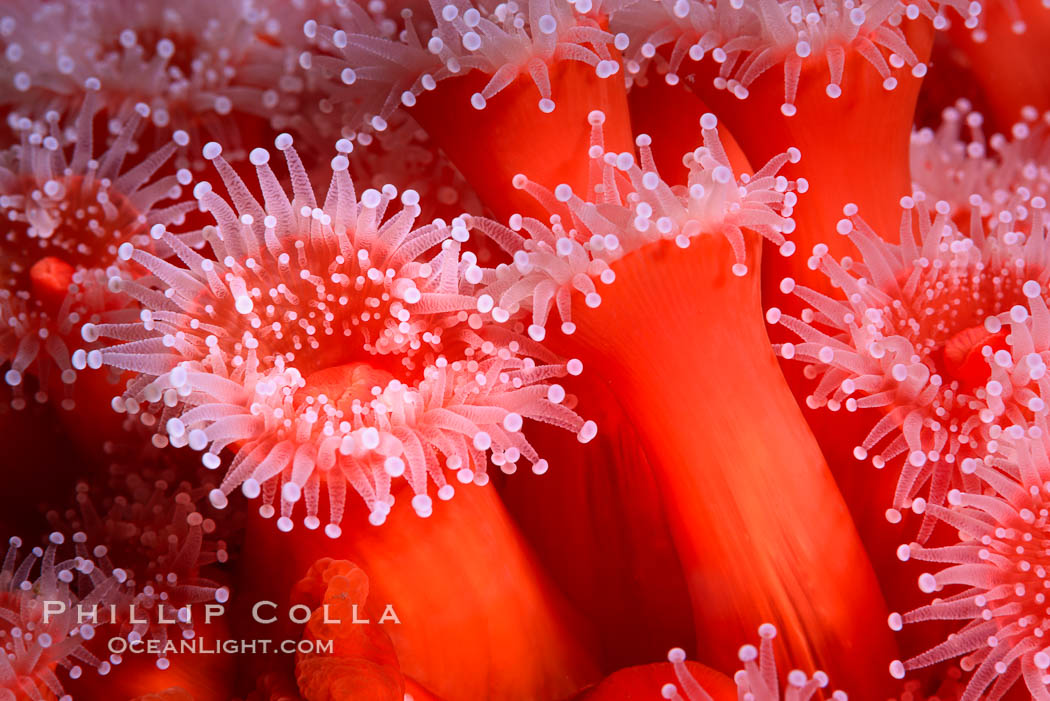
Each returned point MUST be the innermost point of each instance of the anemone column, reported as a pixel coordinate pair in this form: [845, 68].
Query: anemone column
[477, 619]
[600, 498]
[760, 527]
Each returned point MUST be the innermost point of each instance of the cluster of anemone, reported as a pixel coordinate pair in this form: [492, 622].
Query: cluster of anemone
[41, 632]
[164, 545]
[193, 65]
[329, 344]
[758, 679]
[947, 333]
[319, 344]
[69, 205]
[381, 73]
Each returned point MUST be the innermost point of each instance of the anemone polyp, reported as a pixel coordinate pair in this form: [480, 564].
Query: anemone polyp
[40, 632]
[1001, 174]
[758, 679]
[378, 74]
[910, 337]
[329, 345]
[1002, 559]
[1002, 563]
[748, 39]
[628, 206]
[65, 212]
[162, 542]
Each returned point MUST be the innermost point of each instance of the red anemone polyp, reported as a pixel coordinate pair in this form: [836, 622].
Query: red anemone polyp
[242, 351]
[1002, 556]
[535, 74]
[746, 40]
[504, 44]
[648, 242]
[1002, 563]
[66, 211]
[908, 334]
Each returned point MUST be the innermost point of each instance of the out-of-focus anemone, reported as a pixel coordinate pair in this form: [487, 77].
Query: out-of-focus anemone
[274, 686]
[748, 39]
[40, 632]
[65, 210]
[758, 680]
[362, 661]
[910, 337]
[381, 74]
[998, 57]
[1001, 175]
[195, 65]
[162, 542]
[628, 207]
[323, 347]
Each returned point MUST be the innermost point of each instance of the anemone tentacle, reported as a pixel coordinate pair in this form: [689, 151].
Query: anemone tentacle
[1001, 564]
[162, 541]
[1002, 175]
